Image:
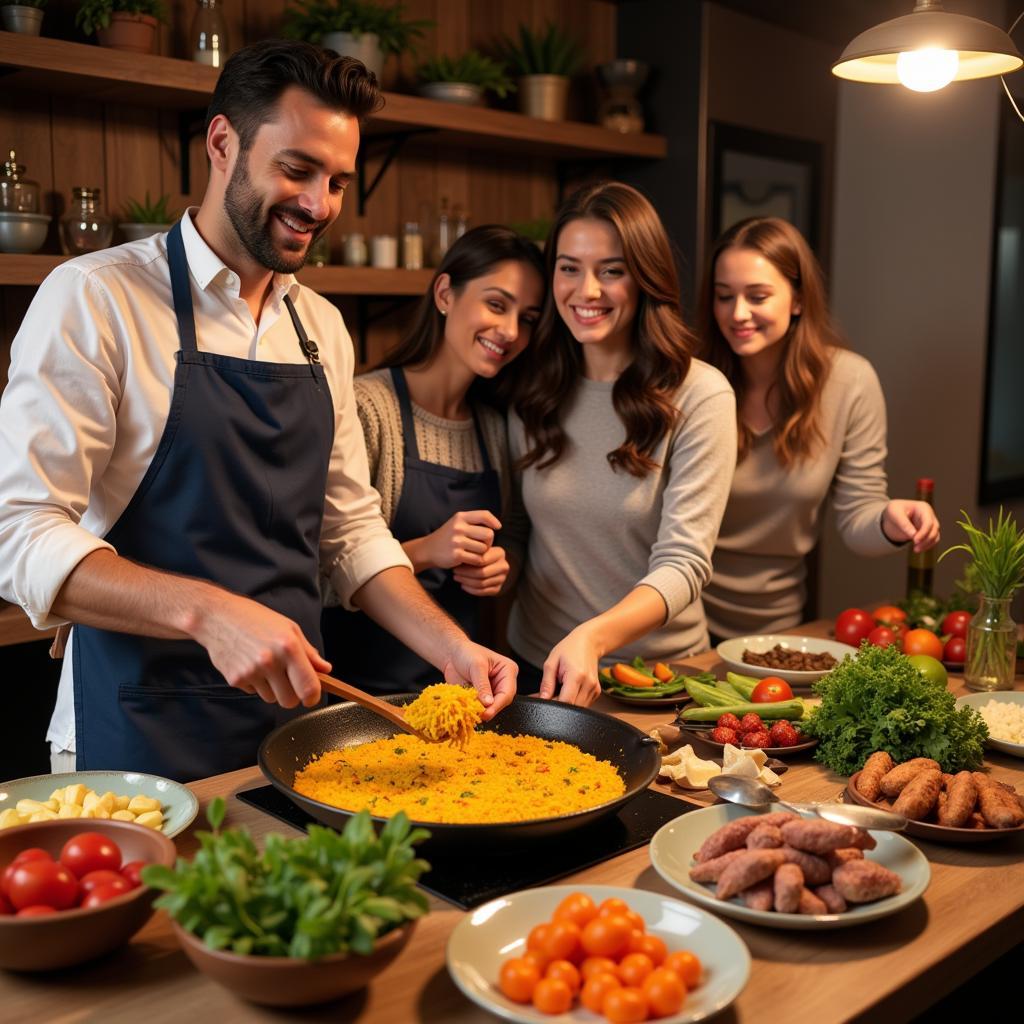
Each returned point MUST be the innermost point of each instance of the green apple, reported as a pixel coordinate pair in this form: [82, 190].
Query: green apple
[931, 668]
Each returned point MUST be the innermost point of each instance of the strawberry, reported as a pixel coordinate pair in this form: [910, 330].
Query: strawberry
[722, 734]
[783, 734]
[756, 739]
[729, 721]
[751, 723]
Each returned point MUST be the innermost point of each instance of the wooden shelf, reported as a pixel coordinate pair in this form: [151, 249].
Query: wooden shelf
[57, 66]
[30, 270]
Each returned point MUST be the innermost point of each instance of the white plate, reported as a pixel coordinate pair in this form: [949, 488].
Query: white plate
[731, 652]
[485, 938]
[979, 700]
[179, 804]
[675, 843]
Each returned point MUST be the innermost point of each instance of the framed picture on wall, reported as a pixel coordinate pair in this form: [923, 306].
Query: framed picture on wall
[755, 174]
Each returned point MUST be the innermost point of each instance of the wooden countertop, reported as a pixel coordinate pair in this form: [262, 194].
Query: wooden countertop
[972, 912]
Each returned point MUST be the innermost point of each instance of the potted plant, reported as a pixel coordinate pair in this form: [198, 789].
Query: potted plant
[544, 61]
[362, 29]
[146, 218]
[463, 79]
[536, 230]
[24, 16]
[121, 24]
[306, 920]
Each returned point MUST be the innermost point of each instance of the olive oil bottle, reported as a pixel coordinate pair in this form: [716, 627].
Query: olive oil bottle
[921, 564]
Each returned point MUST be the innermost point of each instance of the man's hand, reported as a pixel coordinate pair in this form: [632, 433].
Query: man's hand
[485, 579]
[491, 674]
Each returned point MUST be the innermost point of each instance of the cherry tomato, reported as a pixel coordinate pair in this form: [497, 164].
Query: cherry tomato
[517, 979]
[922, 641]
[728, 721]
[567, 972]
[686, 965]
[36, 910]
[625, 1005]
[665, 992]
[955, 650]
[537, 937]
[552, 995]
[577, 907]
[538, 959]
[562, 942]
[133, 872]
[42, 882]
[889, 614]
[955, 624]
[613, 905]
[90, 851]
[101, 894]
[32, 853]
[95, 879]
[607, 936]
[853, 625]
[652, 946]
[598, 965]
[770, 690]
[882, 636]
[634, 967]
[596, 987]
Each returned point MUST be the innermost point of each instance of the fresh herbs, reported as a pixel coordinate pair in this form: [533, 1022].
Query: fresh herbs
[879, 701]
[551, 52]
[95, 14]
[311, 20]
[149, 211]
[997, 554]
[472, 68]
[306, 896]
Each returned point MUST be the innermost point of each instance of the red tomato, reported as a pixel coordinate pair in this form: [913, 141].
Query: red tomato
[32, 853]
[853, 625]
[882, 636]
[955, 650]
[102, 893]
[922, 641]
[5, 905]
[955, 624]
[42, 882]
[770, 690]
[133, 872]
[90, 851]
[95, 879]
[889, 614]
[36, 910]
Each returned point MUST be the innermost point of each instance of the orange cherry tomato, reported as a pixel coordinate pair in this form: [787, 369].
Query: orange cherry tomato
[607, 936]
[651, 945]
[686, 965]
[536, 957]
[598, 965]
[613, 905]
[889, 614]
[663, 673]
[596, 987]
[637, 921]
[665, 992]
[537, 937]
[922, 641]
[562, 942]
[577, 907]
[634, 967]
[552, 995]
[629, 676]
[625, 1006]
[517, 979]
[567, 972]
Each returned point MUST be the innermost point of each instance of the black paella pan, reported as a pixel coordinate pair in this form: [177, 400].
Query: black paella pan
[290, 747]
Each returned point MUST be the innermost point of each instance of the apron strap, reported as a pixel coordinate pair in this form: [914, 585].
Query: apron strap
[412, 449]
[485, 457]
[181, 289]
[306, 343]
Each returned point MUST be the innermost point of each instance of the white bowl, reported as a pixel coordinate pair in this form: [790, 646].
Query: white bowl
[979, 700]
[731, 652]
[23, 232]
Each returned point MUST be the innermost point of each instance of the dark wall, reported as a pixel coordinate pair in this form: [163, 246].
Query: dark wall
[29, 682]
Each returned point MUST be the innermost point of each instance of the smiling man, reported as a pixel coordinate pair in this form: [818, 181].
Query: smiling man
[180, 454]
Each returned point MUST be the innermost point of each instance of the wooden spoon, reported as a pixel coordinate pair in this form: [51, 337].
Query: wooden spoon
[395, 715]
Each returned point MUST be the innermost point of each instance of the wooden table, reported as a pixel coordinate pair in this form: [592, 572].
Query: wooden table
[972, 913]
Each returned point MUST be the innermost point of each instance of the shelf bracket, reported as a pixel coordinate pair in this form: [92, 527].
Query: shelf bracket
[390, 143]
[190, 124]
[365, 317]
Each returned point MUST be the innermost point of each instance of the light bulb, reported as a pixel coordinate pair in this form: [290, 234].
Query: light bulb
[928, 69]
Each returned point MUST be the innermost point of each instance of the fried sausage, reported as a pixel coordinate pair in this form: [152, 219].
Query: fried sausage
[861, 881]
[811, 904]
[920, 794]
[760, 896]
[837, 857]
[829, 895]
[893, 782]
[789, 883]
[764, 837]
[817, 836]
[961, 796]
[711, 870]
[998, 808]
[863, 840]
[734, 835]
[817, 870]
[752, 867]
[877, 765]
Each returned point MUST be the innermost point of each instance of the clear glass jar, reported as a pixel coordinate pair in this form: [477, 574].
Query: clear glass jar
[17, 193]
[208, 39]
[355, 252]
[85, 227]
[412, 246]
[991, 646]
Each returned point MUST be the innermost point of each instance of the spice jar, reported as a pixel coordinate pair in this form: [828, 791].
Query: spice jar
[384, 251]
[354, 250]
[85, 227]
[17, 193]
[412, 247]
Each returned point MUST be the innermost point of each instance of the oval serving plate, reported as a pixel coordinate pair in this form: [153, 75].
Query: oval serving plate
[497, 931]
[979, 700]
[731, 652]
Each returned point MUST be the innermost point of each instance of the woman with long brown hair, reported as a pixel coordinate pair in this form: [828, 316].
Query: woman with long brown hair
[811, 423]
[625, 445]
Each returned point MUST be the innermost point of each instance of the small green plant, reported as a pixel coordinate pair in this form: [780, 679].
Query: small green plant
[536, 230]
[997, 554]
[551, 52]
[311, 20]
[95, 14]
[472, 67]
[148, 212]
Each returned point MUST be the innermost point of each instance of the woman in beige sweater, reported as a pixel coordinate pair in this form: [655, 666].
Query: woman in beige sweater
[811, 419]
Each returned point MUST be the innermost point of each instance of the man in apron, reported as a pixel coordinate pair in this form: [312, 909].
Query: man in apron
[180, 453]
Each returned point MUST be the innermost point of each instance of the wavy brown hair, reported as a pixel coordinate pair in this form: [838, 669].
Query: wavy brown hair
[808, 343]
[662, 344]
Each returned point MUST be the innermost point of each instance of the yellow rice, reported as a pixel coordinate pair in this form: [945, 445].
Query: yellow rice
[494, 778]
[445, 712]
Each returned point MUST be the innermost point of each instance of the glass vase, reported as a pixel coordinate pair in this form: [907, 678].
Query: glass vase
[208, 38]
[85, 227]
[991, 646]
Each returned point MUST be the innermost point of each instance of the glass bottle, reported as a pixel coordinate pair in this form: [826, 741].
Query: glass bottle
[17, 193]
[208, 39]
[412, 246]
[991, 646]
[461, 223]
[444, 233]
[921, 564]
[85, 227]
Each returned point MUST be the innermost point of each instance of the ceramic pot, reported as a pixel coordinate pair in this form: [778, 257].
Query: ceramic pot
[133, 32]
[133, 231]
[544, 96]
[453, 92]
[22, 18]
[364, 47]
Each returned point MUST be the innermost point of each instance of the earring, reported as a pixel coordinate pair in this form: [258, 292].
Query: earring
[443, 312]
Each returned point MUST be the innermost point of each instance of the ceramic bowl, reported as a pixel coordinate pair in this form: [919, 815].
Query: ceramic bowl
[72, 937]
[979, 700]
[289, 981]
[731, 652]
[23, 232]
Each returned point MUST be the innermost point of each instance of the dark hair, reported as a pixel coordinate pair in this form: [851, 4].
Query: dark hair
[643, 395]
[254, 78]
[475, 254]
[808, 343]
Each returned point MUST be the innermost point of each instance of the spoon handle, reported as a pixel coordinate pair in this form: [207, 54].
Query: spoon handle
[380, 707]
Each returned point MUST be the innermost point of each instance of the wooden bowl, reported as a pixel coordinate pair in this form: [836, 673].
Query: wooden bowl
[74, 936]
[290, 981]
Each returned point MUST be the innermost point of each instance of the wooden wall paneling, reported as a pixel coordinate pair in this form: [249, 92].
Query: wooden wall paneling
[25, 127]
[79, 153]
[134, 162]
[262, 19]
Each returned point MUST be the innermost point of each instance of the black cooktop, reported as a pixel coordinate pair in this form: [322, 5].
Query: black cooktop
[469, 878]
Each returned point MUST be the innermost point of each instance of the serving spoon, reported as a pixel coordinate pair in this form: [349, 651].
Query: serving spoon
[395, 715]
[738, 789]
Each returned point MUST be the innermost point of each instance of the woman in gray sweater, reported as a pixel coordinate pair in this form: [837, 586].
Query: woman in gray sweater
[624, 445]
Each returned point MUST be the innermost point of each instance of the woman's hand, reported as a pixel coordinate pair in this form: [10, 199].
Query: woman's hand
[572, 665]
[486, 579]
[915, 521]
[463, 540]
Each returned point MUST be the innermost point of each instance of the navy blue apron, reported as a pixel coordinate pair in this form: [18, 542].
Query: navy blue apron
[361, 652]
[234, 495]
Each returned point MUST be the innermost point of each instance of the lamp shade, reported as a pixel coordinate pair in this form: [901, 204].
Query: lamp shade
[983, 50]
